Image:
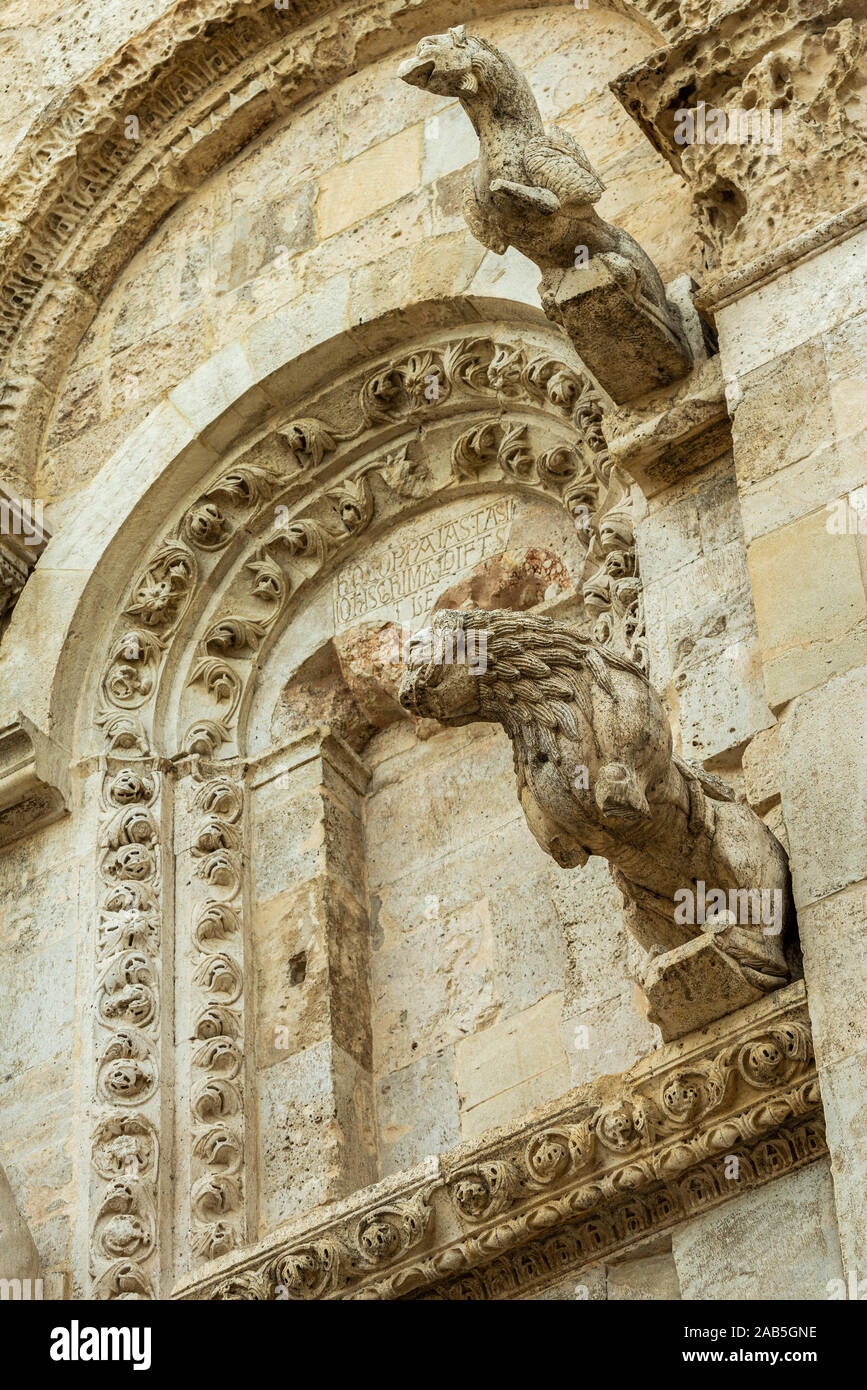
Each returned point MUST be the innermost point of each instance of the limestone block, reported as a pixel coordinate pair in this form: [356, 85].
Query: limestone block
[392, 229]
[629, 350]
[694, 985]
[292, 153]
[372, 180]
[315, 1131]
[845, 356]
[511, 1053]
[449, 143]
[257, 237]
[669, 537]
[35, 1033]
[312, 319]
[816, 627]
[509, 277]
[417, 1111]
[310, 946]
[818, 481]
[813, 297]
[648, 1278]
[529, 945]
[19, 1258]
[761, 768]
[376, 107]
[832, 940]
[434, 987]
[605, 1037]
[295, 840]
[844, 1094]
[515, 1101]
[777, 1243]
[824, 786]
[783, 412]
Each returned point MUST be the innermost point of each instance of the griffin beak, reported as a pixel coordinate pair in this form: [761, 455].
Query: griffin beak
[417, 71]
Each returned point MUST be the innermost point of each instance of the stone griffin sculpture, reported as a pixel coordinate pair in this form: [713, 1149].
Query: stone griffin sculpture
[534, 189]
[596, 774]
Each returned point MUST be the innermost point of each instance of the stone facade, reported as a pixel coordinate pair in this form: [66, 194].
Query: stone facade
[294, 1004]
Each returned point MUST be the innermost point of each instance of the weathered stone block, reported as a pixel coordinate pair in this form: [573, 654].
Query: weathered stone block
[626, 346]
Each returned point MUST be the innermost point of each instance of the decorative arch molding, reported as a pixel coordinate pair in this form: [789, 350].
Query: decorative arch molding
[203, 80]
[275, 488]
[462, 413]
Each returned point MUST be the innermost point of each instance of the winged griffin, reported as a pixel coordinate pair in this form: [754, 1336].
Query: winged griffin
[532, 188]
[596, 774]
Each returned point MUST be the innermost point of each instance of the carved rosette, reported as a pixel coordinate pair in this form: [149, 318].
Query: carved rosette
[127, 1014]
[216, 1086]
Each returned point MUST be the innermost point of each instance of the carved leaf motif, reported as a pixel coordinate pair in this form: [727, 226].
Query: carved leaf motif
[466, 364]
[382, 396]
[309, 441]
[310, 1271]
[354, 503]
[310, 539]
[417, 373]
[405, 476]
[247, 484]
[215, 923]
[474, 450]
[205, 526]
[205, 736]
[222, 682]
[164, 587]
[514, 455]
[269, 580]
[234, 636]
[506, 370]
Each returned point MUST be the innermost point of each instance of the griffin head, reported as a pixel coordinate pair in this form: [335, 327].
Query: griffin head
[462, 65]
[443, 64]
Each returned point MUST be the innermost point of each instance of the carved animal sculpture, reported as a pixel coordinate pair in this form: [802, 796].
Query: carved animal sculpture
[532, 188]
[597, 775]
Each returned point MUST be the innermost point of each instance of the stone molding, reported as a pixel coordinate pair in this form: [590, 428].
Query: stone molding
[800, 57]
[34, 780]
[335, 483]
[515, 417]
[593, 1173]
[726, 287]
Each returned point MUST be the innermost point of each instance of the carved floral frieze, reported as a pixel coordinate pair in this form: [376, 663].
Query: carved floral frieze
[125, 1151]
[581, 1179]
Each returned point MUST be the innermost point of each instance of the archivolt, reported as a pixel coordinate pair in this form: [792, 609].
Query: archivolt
[299, 496]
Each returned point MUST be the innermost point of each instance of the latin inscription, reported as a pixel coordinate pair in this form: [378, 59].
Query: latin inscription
[405, 580]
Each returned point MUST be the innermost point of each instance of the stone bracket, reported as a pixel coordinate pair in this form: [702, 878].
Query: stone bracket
[694, 985]
[622, 340]
[34, 780]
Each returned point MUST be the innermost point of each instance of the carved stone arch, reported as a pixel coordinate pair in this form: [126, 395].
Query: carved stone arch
[443, 412]
[202, 80]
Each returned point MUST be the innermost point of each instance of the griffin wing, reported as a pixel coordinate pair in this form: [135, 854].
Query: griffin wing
[556, 161]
